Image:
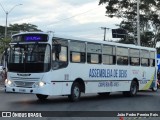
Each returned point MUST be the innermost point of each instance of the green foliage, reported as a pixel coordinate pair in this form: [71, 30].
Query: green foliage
[158, 50]
[149, 19]
[23, 27]
[4, 44]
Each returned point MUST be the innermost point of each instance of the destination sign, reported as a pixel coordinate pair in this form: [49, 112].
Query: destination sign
[30, 38]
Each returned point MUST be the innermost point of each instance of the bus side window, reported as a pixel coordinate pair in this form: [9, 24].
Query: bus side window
[134, 57]
[63, 54]
[77, 52]
[94, 58]
[94, 53]
[152, 62]
[152, 58]
[60, 55]
[145, 58]
[122, 55]
[145, 62]
[134, 61]
[109, 57]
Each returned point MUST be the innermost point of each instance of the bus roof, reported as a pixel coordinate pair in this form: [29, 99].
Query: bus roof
[102, 42]
[67, 37]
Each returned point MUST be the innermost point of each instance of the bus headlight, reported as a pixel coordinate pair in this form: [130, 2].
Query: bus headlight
[41, 84]
[8, 82]
[38, 84]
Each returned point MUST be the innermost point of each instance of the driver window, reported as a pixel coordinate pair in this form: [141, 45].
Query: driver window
[60, 60]
[63, 54]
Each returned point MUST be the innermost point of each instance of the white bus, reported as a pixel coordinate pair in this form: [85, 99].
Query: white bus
[45, 65]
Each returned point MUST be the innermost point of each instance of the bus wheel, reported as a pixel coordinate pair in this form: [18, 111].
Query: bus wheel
[133, 90]
[154, 89]
[75, 92]
[41, 97]
[105, 94]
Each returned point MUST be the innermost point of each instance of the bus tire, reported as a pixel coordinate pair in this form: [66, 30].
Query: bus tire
[75, 92]
[154, 89]
[133, 90]
[41, 97]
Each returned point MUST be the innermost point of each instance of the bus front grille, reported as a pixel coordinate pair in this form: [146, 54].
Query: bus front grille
[22, 78]
[24, 84]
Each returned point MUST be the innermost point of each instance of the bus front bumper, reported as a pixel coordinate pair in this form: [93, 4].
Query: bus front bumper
[34, 90]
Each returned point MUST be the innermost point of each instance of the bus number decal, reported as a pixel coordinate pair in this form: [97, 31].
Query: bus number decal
[143, 82]
[66, 77]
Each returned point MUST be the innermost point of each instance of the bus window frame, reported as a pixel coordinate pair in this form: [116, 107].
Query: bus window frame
[90, 54]
[122, 56]
[145, 58]
[134, 57]
[56, 63]
[152, 64]
[113, 55]
[82, 58]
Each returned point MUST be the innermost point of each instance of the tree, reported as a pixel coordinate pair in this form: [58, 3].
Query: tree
[23, 27]
[149, 18]
[158, 50]
[12, 29]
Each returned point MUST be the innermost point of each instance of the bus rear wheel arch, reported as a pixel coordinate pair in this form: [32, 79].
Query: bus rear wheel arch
[78, 86]
[75, 92]
[133, 89]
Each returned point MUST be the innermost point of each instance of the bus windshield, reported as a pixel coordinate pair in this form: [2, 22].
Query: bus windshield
[29, 58]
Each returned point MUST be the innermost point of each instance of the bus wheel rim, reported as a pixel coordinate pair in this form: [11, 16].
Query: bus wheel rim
[133, 89]
[76, 92]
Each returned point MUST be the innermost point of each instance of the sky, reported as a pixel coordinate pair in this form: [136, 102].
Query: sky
[78, 18]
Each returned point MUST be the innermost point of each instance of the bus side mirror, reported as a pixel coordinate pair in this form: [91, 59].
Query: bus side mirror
[57, 48]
